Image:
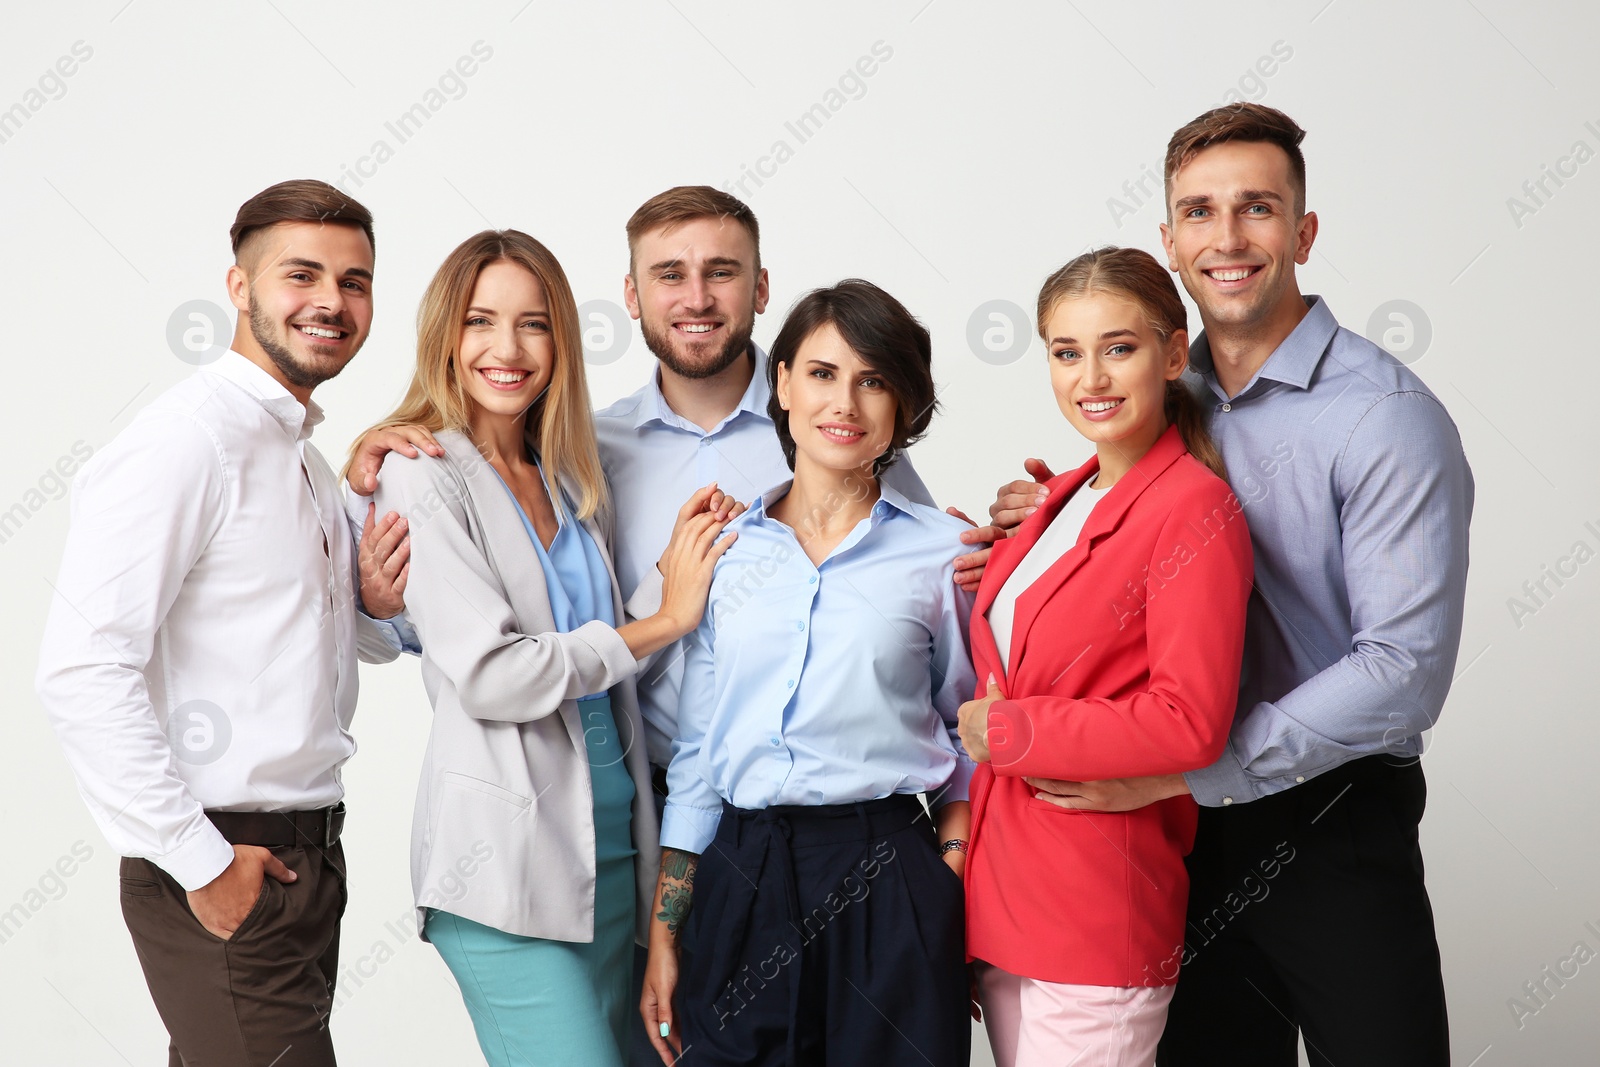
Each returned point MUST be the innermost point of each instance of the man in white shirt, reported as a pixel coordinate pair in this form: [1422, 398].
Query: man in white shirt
[199, 662]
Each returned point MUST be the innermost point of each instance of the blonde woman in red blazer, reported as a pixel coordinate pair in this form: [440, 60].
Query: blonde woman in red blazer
[1107, 637]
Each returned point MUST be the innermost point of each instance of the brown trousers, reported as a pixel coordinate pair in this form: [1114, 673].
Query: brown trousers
[259, 999]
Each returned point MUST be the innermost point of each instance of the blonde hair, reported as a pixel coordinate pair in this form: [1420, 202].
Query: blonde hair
[560, 427]
[1134, 275]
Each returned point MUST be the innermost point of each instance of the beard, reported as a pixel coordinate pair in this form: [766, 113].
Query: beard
[296, 372]
[660, 343]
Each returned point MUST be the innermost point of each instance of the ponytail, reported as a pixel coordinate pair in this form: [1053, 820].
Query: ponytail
[1184, 412]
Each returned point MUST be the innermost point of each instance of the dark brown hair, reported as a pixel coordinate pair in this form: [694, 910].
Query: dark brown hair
[1239, 122]
[301, 200]
[1135, 275]
[686, 203]
[886, 337]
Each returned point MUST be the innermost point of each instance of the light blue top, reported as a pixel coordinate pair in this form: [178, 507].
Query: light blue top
[1358, 497]
[654, 460]
[579, 586]
[575, 574]
[824, 685]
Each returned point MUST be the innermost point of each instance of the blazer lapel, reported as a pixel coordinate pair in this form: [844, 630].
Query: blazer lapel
[1010, 554]
[1107, 515]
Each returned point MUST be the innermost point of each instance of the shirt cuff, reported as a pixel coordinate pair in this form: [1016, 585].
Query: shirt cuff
[399, 633]
[957, 787]
[197, 862]
[646, 600]
[688, 829]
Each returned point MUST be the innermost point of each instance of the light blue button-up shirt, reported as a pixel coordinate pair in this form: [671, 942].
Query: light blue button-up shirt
[824, 685]
[1358, 497]
[654, 460]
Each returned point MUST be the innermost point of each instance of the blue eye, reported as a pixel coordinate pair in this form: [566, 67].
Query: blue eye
[1065, 354]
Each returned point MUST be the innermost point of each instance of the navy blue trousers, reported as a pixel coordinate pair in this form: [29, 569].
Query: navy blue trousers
[825, 935]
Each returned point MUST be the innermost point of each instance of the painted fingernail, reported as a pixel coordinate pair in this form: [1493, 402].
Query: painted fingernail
[666, 1029]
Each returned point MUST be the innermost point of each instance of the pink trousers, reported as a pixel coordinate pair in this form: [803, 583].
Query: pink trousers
[1049, 1024]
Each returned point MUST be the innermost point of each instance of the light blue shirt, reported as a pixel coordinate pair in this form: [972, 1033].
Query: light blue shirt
[824, 685]
[654, 460]
[1358, 497]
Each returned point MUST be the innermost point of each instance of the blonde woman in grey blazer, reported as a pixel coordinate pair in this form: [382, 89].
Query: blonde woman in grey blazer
[534, 845]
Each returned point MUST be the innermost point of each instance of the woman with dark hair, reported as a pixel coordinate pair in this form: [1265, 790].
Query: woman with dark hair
[819, 699]
[1109, 631]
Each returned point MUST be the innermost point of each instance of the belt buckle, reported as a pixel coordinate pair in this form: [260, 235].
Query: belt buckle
[333, 826]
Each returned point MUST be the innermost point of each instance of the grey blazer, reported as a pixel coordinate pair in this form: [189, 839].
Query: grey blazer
[504, 826]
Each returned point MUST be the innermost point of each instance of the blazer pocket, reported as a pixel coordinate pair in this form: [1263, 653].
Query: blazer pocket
[455, 779]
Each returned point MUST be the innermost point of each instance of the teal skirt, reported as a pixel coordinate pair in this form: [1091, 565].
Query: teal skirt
[536, 1002]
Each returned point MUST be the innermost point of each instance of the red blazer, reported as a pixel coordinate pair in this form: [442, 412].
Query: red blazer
[1124, 663]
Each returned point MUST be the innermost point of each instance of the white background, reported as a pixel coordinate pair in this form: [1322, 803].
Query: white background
[979, 156]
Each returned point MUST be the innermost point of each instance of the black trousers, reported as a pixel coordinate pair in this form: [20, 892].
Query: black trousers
[825, 935]
[1308, 915]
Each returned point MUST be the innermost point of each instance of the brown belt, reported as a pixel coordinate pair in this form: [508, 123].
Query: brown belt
[281, 829]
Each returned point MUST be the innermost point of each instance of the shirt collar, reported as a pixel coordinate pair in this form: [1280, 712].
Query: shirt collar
[889, 500]
[754, 400]
[1295, 359]
[299, 420]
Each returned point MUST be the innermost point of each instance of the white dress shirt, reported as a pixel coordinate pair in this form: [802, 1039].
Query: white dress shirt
[201, 648]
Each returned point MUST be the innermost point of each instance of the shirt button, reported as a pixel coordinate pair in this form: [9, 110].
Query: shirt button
[1226, 801]
[1227, 407]
[799, 626]
[775, 742]
[1299, 778]
[811, 580]
[791, 683]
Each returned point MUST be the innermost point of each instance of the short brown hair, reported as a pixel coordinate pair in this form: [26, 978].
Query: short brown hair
[1239, 122]
[301, 200]
[1136, 276]
[686, 203]
[886, 336]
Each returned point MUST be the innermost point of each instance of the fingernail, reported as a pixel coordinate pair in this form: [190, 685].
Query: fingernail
[666, 1030]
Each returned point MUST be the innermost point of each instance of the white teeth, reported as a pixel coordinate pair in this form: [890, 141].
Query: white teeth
[1230, 275]
[318, 331]
[843, 435]
[1101, 405]
[697, 327]
[505, 377]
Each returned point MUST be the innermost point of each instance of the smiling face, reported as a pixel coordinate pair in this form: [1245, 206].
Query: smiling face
[696, 290]
[507, 353]
[306, 288]
[841, 414]
[1109, 369]
[1235, 234]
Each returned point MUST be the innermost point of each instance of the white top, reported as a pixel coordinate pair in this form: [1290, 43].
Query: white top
[201, 647]
[1056, 541]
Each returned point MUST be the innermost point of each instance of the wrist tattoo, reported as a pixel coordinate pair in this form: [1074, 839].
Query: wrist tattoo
[677, 888]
